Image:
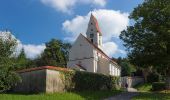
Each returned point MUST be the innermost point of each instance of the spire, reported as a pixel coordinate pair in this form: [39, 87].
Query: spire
[96, 23]
[93, 32]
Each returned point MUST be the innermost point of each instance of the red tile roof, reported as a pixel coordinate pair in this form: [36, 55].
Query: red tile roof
[99, 50]
[97, 25]
[44, 67]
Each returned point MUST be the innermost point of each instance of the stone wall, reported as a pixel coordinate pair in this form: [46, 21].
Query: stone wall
[131, 81]
[40, 80]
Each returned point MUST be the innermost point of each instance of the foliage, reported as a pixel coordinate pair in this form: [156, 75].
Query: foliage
[148, 40]
[55, 54]
[145, 87]
[157, 86]
[153, 77]
[126, 67]
[8, 77]
[138, 72]
[82, 95]
[152, 96]
[78, 80]
[21, 60]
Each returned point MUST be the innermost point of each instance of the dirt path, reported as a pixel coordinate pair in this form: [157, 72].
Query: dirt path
[131, 92]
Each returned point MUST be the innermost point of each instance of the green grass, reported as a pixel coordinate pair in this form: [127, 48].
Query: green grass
[146, 87]
[85, 95]
[153, 96]
[147, 94]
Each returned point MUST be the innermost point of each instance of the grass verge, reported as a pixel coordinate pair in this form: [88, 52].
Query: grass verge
[84, 95]
[146, 87]
[147, 94]
[153, 96]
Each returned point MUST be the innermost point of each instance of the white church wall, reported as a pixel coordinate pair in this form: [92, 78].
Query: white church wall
[103, 66]
[81, 53]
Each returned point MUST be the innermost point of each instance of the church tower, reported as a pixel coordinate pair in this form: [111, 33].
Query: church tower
[93, 32]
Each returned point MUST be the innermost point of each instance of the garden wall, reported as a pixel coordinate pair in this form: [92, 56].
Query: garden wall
[40, 79]
[55, 79]
[131, 81]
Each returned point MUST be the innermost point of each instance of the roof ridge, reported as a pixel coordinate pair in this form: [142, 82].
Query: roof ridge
[99, 49]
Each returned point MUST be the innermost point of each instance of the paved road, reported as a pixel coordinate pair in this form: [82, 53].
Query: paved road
[130, 92]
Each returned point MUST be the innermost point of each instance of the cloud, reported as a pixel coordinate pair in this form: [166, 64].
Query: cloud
[111, 48]
[111, 23]
[31, 50]
[66, 6]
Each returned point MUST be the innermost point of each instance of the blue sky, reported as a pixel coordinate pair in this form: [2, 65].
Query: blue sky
[35, 22]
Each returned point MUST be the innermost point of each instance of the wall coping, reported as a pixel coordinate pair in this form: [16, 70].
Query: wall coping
[44, 67]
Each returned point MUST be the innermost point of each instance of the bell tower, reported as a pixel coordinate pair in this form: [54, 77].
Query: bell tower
[93, 32]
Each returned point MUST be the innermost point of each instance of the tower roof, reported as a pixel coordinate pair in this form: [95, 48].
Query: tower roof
[96, 24]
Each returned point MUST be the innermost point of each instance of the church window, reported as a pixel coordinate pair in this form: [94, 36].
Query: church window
[91, 29]
[92, 40]
[91, 23]
[91, 35]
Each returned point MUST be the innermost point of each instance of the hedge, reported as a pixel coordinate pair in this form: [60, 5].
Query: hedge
[157, 86]
[153, 77]
[79, 80]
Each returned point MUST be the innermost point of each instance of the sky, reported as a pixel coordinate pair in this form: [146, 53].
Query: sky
[35, 22]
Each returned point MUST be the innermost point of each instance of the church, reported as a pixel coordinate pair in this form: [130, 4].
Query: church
[86, 53]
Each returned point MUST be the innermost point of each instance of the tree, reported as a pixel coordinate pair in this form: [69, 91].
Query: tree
[126, 67]
[148, 40]
[8, 78]
[21, 60]
[55, 54]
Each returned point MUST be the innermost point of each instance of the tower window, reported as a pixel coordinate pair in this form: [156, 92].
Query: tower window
[91, 23]
[91, 35]
[91, 29]
[92, 40]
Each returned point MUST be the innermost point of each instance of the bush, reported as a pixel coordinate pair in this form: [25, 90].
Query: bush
[78, 80]
[8, 80]
[157, 86]
[153, 77]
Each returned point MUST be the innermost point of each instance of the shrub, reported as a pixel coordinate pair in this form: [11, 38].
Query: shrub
[153, 77]
[8, 80]
[157, 86]
[79, 80]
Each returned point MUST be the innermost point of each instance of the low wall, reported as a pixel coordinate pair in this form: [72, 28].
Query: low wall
[39, 80]
[131, 81]
[54, 79]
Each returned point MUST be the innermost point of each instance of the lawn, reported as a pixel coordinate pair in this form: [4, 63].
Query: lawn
[153, 96]
[146, 87]
[86, 95]
[147, 94]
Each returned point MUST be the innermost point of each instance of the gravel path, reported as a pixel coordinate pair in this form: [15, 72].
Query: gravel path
[130, 92]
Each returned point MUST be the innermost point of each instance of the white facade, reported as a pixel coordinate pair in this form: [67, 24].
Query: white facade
[86, 53]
